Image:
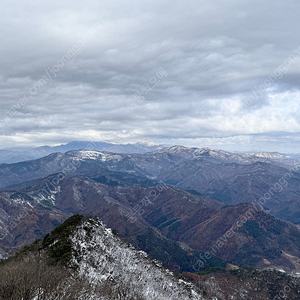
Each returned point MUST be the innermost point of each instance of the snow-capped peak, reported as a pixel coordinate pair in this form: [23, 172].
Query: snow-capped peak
[102, 257]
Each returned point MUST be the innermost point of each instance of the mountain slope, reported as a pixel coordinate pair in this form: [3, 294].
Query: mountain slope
[247, 283]
[100, 256]
[90, 197]
[82, 259]
[240, 234]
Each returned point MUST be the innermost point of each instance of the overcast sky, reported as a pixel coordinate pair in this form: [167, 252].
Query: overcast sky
[220, 74]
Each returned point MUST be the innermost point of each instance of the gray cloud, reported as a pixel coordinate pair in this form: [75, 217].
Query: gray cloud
[232, 73]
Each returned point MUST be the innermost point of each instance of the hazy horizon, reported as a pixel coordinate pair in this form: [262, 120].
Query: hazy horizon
[89, 143]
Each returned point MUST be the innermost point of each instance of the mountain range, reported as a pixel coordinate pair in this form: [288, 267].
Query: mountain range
[205, 214]
[269, 180]
[160, 198]
[18, 154]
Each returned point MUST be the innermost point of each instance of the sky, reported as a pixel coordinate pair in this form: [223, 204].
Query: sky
[219, 74]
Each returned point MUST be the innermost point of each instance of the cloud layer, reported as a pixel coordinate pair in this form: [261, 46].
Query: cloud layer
[222, 74]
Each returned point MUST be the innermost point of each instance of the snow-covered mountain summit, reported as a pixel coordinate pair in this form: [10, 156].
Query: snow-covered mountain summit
[108, 263]
[13, 155]
[227, 156]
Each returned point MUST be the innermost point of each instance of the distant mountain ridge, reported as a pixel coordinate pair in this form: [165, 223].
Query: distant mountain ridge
[19, 154]
[270, 180]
